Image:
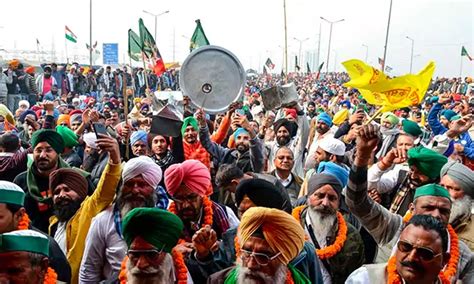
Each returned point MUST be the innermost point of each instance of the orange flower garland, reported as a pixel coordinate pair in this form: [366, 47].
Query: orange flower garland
[51, 277]
[207, 220]
[24, 223]
[179, 266]
[451, 268]
[394, 277]
[335, 248]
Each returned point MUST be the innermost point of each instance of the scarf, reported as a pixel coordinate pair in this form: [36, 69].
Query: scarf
[298, 277]
[196, 151]
[388, 136]
[165, 161]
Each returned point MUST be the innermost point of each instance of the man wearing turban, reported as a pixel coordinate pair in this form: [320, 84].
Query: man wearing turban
[268, 239]
[151, 235]
[459, 181]
[385, 226]
[70, 139]
[139, 143]
[388, 127]
[320, 129]
[189, 185]
[140, 188]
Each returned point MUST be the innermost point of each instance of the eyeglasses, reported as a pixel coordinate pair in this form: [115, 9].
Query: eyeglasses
[189, 199]
[425, 254]
[150, 254]
[261, 258]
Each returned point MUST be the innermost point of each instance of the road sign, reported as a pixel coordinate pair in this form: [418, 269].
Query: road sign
[110, 53]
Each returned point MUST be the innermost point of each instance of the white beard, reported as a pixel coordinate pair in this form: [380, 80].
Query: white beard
[322, 225]
[161, 275]
[460, 209]
[244, 272]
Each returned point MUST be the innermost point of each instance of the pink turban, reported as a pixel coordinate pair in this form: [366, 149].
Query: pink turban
[192, 173]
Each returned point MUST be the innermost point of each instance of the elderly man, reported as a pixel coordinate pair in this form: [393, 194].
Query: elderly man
[250, 193]
[13, 217]
[292, 135]
[385, 226]
[421, 254]
[459, 181]
[390, 131]
[24, 258]
[47, 146]
[105, 247]
[326, 227]
[74, 210]
[189, 185]
[322, 130]
[268, 240]
[139, 143]
[151, 235]
[283, 163]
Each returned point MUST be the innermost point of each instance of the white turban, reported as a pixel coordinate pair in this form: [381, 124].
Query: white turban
[145, 167]
[90, 139]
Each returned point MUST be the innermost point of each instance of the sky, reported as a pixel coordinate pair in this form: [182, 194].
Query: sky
[254, 30]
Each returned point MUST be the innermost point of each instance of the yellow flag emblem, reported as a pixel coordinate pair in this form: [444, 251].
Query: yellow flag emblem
[390, 93]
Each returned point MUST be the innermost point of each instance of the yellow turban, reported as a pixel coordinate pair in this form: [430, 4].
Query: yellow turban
[280, 230]
[340, 117]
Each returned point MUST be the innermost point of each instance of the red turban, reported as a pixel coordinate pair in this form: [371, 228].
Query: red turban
[192, 173]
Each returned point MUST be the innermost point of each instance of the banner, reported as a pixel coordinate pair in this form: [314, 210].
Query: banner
[391, 94]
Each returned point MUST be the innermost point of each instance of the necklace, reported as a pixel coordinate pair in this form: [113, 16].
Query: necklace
[207, 207]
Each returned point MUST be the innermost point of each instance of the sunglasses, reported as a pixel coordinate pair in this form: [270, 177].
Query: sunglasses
[261, 258]
[425, 254]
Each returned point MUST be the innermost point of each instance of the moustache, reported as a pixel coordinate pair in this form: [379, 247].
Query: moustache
[63, 201]
[42, 160]
[413, 265]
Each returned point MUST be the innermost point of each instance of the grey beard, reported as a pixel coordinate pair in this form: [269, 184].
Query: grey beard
[161, 275]
[460, 210]
[244, 273]
[322, 224]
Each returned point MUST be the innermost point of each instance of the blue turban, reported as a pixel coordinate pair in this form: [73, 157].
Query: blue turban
[448, 113]
[239, 131]
[139, 135]
[324, 117]
[342, 174]
[27, 112]
[346, 103]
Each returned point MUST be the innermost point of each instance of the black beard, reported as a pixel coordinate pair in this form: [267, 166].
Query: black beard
[242, 148]
[283, 140]
[65, 210]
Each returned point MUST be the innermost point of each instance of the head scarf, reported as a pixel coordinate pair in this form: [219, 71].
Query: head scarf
[189, 121]
[70, 177]
[158, 227]
[316, 181]
[51, 137]
[431, 190]
[291, 126]
[69, 137]
[192, 173]
[145, 167]
[139, 135]
[448, 113]
[390, 117]
[264, 194]
[281, 231]
[75, 117]
[341, 173]
[90, 139]
[24, 103]
[427, 161]
[460, 174]
[324, 117]
[63, 118]
[239, 131]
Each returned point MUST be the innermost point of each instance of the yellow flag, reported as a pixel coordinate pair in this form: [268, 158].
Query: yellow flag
[391, 94]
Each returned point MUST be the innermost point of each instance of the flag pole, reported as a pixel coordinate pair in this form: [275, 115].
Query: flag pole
[460, 68]
[65, 46]
[286, 38]
[374, 116]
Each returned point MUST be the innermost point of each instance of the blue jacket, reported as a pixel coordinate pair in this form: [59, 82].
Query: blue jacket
[433, 120]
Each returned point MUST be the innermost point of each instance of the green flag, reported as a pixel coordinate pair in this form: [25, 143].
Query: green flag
[199, 37]
[464, 53]
[134, 48]
[147, 42]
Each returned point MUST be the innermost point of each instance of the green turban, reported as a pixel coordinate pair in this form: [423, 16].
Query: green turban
[190, 120]
[412, 128]
[24, 240]
[48, 135]
[427, 161]
[390, 117]
[69, 137]
[432, 189]
[158, 227]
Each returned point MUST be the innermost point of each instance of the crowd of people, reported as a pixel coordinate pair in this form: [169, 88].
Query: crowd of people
[315, 191]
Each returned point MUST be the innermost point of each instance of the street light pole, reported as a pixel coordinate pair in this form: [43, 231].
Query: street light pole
[319, 45]
[366, 52]
[156, 18]
[301, 45]
[412, 46]
[386, 37]
[330, 37]
[90, 34]
[286, 38]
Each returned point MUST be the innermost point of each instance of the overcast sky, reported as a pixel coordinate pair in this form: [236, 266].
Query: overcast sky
[253, 30]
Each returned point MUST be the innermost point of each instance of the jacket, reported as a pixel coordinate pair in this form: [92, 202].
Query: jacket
[385, 227]
[78, 226]
[11, 164]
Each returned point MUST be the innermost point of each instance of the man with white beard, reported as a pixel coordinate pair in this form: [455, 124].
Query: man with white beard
[339, 246]
[105, 246]
[268, 240]
[459, 181]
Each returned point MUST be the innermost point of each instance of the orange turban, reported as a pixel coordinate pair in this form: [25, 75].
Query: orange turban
[281, 231]
[13, 64]
[63, 118]
[192, 173]
[30, 70]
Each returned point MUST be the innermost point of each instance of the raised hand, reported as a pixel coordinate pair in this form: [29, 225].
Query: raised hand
[204, 242]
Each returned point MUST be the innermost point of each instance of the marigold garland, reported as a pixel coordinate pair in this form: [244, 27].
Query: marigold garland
[24, 223]
[208, 212]
[394, 277]
[335, 248]
[51, 277]
[450, 270]
[179, 265]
